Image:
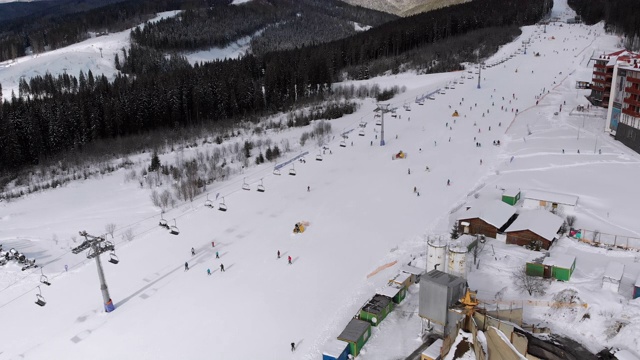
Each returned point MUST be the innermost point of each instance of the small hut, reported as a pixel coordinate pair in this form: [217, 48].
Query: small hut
[356, 334]
[612, 276]
[511, 196]
[376, 309]
[433, 351]
[402, 278]
[559, 267]
[396, 292]
[415, 273]
[335, 349]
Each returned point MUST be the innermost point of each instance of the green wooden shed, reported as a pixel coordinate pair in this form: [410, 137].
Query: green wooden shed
[511, 196]
[559, 267]
[356, 334]
[376, 309]
[395, 291]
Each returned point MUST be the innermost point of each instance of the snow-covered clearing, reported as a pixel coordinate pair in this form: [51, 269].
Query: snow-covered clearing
[362, 213]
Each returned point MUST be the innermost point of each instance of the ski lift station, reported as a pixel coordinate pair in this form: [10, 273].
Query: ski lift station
[438, 292]
[612, 276]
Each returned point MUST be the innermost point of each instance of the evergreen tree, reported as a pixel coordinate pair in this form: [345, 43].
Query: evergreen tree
[155, 162]
[455, 232]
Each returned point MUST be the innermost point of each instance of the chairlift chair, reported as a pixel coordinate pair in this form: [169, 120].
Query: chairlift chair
[174, 229]
[378, 121]
[319, 157]
[113, 258]
[163, 222]
[292, 171]
[222, 206]
[261, 187]
[343, 143]
[39, 298]
[245, 186]
[276, 172]
[208, 203]
[361, 132]
[44, 279]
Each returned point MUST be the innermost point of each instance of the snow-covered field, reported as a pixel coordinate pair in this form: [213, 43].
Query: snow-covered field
[362, 213]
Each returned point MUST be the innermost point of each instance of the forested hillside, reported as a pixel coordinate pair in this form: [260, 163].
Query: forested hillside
[55, 114]
[286, 24]
[620, 17]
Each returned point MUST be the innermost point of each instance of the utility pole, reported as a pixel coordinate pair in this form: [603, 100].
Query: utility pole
[382, 108]
[479, 73]
[97, 245]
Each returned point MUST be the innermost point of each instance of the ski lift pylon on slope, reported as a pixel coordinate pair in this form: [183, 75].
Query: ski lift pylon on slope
[208, 203]
[44, 279]
[222, 206]
[174, 229]
[113, 258]
[245, 186]
[292, 171]
[261, 187]
[39, 298]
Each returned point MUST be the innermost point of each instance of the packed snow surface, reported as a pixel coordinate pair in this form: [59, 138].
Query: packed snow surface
[363, 215]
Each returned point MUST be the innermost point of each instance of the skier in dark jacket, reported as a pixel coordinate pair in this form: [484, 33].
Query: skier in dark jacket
[186, 266]
[222, 267]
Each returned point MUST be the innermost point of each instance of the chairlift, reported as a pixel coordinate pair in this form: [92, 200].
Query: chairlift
[163, 222]
[113, 258]
[292, 171]
[39, 298]
[174, 229]
[378, 122]
[208, 203]
[319, 157]
[44, 279]
[222, 206]
[245, 186]
[261, 187]
[361, 132]
[276, 172]
[343, 143]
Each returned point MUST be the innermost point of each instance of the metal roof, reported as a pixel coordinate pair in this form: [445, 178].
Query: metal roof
[354, 330]
[441, 278]
[377, 304]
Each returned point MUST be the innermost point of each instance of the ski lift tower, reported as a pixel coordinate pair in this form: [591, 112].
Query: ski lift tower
[382, 109]
[97, 245]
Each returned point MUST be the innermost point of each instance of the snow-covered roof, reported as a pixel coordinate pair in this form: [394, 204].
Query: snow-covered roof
[493, 212]
[412, 270]
[560, 260]
[541, 222]
[433, 351]
[551, 196]
[354, 330]
[614, 271]
[511, 192]
[625, 355]
[401, 277]
[334, 348]
[391, 290]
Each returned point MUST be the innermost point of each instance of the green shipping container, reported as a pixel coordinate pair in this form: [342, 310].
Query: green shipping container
[356, 334]
[376, 309]
[559, 267]
[511, 197]
[535, 269]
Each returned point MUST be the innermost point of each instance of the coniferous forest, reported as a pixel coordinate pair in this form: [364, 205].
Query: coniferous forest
[59, 113]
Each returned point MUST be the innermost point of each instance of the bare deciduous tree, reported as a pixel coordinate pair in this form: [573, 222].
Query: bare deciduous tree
[533, 285]
[128, 235]
[110, 229]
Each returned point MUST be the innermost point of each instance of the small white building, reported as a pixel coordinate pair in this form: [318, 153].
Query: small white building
[612, 276]
[537, 199]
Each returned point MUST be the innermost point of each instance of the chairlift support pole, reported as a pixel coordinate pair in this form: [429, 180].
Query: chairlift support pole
[95, 243]
[382, 108]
